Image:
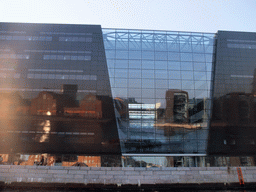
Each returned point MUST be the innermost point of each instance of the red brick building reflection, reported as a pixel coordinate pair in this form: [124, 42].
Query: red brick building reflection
[90, 107]
[49, 103]
[50, 160]
[176, 106]
[57, 104]
[234, 109]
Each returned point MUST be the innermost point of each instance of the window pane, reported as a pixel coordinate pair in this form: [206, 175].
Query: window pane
[120, 82]
[148, 55]
[186, 56]
[134, 73]
[135, 64]
[173, 65]
[134, 83]
[161, 74]
[148, 64]
[148, 93]
[187, 84]
[161, 84]
[135, 55]
[173, 56]
[161, 65]
[187, 66]
[198, 57]
[121, 54]
[199, 66]
[200, 75]
[174, 75]
[148, 83]
[174, 84]
[121, 64]
[148, 74]
[160, 55]
[121, 73]
[187, 75]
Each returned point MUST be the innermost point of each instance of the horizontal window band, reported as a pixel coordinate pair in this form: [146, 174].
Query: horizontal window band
[36, 90]
[59, 76]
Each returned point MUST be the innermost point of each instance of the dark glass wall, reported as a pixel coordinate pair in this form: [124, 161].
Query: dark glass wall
[55, 93]
[233, 123]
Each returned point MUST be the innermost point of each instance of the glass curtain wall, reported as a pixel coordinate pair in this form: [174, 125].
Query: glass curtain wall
[161, 85]
[233, 119]
[55, 99]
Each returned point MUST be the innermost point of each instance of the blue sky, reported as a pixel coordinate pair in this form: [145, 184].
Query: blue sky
[174, 15]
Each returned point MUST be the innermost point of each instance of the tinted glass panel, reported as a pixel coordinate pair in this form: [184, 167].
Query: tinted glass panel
[56, 98]
[233, 122]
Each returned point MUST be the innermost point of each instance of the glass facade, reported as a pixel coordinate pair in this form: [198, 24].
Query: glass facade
[79, 95]
[55, 92]
[161, 84]
[234, 98]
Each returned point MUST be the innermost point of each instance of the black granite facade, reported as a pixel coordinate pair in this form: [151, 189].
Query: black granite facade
[233, 119]
[55, 91]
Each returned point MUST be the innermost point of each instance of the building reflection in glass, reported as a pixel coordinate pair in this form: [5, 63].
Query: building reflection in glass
[57, 122]
[161, 85]
[58, 99]
[51, 160]
[233, 122]
[161, 127]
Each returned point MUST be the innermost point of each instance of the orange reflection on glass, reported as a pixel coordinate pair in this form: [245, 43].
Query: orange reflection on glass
[46, 130]
[84, 161]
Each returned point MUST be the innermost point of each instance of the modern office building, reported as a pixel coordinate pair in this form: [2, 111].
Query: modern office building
[79, 94]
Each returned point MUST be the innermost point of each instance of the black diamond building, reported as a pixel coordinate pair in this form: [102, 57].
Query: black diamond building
[127, 97]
